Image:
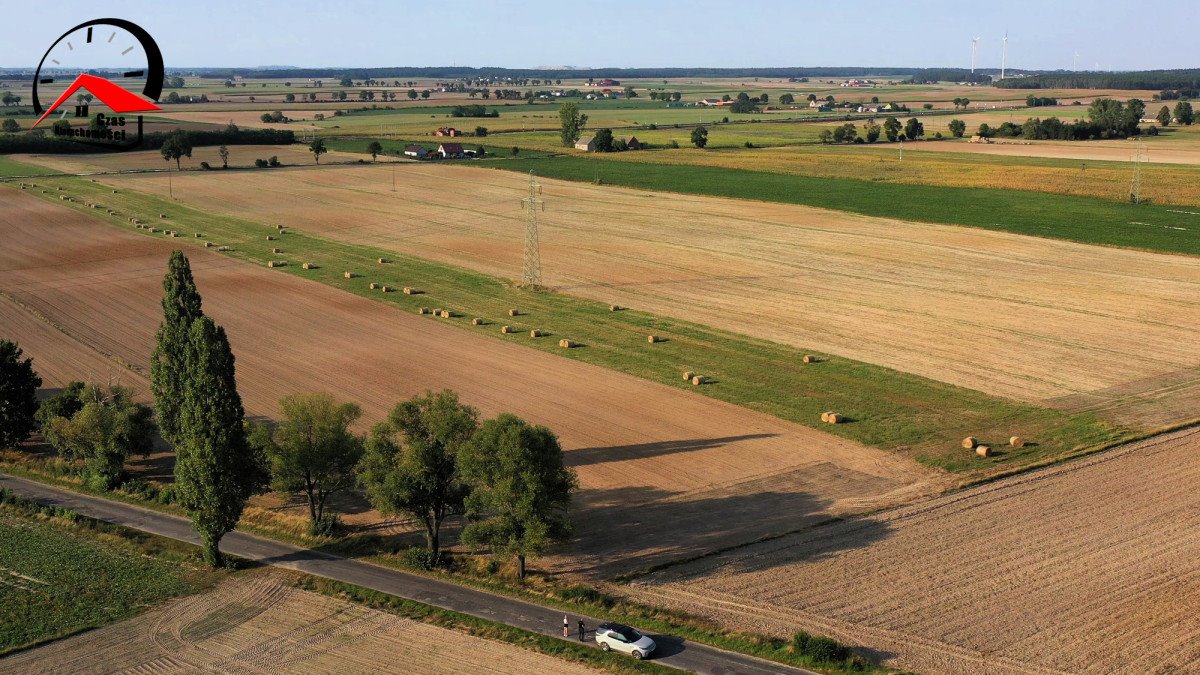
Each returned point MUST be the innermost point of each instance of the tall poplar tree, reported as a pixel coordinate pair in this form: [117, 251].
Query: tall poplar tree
[216, 470]
[168, 364]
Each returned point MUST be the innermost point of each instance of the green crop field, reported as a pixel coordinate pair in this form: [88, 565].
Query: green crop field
[892, 410]
[1083, 219]
[57, 578]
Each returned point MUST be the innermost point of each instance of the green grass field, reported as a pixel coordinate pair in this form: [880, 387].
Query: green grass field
[896, 411]
[59, 578]
[1082, 219]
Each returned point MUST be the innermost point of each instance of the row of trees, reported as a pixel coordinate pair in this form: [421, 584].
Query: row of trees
[891, 129]
[431, 459]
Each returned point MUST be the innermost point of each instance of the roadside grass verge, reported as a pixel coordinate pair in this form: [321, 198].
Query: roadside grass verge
[1083, 219]
[63, 573]
[895, 411]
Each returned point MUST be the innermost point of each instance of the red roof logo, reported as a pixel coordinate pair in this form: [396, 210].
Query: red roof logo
[117, 98]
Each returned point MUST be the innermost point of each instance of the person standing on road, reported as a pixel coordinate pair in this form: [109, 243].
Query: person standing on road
[566, 627]
[582, 630]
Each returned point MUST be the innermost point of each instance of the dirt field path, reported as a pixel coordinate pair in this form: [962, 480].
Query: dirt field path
[673, 473]
[1091, 151]
[1045, 321]
[266, 626]
[1093, 566]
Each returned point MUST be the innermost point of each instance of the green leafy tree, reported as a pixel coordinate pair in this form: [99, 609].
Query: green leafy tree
[65, 403]
[891, 129]
[872, 131]
[1184, 113]
[520, 490]
[699, 137]
[411, 465]
[107, 428]
[412, 94]
[10, 126]
[317, 148]
[846, 133]
[169, 363]
[787, 99]
[984, 130]
[216, 469]
[913, 129]
[572, 123]
[177, 144]
[958, 128]
[375, 148]
[826, 136]
[604, 140]
[1164, 116]
[223, 153]
[18, 395]
[312, 451]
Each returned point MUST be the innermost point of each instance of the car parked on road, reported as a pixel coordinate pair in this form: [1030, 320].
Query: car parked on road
[624, 639]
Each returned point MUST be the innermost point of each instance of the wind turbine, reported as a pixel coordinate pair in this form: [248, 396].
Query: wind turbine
[974, 47]
[1075, 62]
[1004, 55]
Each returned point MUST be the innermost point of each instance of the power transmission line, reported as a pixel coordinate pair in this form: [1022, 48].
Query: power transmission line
[531, 274]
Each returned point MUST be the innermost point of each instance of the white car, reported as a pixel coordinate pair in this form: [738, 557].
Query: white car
[621, 638]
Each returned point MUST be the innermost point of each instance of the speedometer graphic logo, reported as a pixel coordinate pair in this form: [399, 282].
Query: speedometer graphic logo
[112, 69]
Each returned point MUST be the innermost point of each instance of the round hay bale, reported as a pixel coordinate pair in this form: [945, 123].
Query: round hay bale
[408, 290]
[282, 231]
[809, 358]
[615, 308]
[983, 451]
[278, 227]
[383, 261]
[276, 250]
[276, 263]
[969, 442]
[309, 266]
[374, 285]
[423, 310]
[270, 238]
[476, 322]
[1016, 442]
[566, 344]
[162, 215]
[513, 312]
[652, 339]
[446, 314]
[386, 289]
[174, 235]
[208, 244]
[535, 333]
[698, 380]
[688, 375]
[825, 416]
[834, 418]
[199, 235]
[60, 189]
[114, 191]
[224, 249]
[348, 275]
[507, 329]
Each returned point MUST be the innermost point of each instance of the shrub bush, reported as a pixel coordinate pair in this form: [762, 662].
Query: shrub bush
[274, 161]
[820, 649]
[328, 525]
[205, 166]
[260, 163]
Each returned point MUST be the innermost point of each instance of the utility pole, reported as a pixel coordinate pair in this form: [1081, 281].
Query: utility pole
[901, 149]
[393, 178]
[1135, 188]
[170, 187]
[531, 275]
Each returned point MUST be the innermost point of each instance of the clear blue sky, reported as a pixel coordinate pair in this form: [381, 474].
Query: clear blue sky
[625, 33]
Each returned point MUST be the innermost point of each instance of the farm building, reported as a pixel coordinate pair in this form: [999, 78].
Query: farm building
[448, 131]
[416, 151]
[632, 143]
[450, 150]
[587, 144]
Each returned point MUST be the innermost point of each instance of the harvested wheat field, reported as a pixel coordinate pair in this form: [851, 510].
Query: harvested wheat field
[1038, 320]
[1091, 566]
[1160, 152]
[266, 626]
[696, 473]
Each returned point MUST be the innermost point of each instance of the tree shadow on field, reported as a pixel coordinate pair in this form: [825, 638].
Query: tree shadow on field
[633, 529]
[616, 453]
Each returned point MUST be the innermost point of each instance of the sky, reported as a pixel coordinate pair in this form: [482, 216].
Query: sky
[1045, 34]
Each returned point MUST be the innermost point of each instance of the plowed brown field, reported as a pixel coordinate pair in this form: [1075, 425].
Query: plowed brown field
[664, 472]
[1045, 321]
[265, 626]
[1092, 566]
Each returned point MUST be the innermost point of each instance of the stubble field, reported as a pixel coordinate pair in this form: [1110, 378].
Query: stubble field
[1074, 326]
[263, 625]
[692, 473]
[1088, 567]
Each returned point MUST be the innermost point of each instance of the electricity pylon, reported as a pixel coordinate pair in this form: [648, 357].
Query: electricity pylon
[531, 274]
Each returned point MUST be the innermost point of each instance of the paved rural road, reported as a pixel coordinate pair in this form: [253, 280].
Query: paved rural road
[672, 651]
